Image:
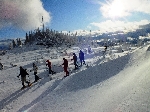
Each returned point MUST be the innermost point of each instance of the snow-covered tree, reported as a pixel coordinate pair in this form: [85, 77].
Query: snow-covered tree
[14, 43]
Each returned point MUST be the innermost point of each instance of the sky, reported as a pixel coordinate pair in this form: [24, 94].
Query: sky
[19, 17]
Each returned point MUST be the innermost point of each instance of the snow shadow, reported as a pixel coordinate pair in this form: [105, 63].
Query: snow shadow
[12, 97]
[91, 55]
[57, 68]
[44, 94]
[94, 75]
[19, 92]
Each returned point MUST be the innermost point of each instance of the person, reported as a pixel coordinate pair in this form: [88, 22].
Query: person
[1, 66]
[81, 56]
[104, 52]
[105, 48]
[65, 67]
[89, 50]
[48, 63]
[75, 60]
[35, 68]
[23, 74]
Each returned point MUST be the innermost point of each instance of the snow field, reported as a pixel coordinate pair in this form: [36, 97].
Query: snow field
[118, 82]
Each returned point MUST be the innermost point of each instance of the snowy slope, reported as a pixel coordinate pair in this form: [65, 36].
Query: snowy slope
[117, 83]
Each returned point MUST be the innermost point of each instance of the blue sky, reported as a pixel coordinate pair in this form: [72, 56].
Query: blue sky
[18, 17]
[72, 14]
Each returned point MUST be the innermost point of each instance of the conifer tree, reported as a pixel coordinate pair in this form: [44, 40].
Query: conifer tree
[14, 44]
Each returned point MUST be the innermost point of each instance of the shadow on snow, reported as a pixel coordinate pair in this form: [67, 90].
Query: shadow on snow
[78, 81]
[44, 94]
[94, 75]
[12, 97]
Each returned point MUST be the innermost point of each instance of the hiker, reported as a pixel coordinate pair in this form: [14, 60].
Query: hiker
[23, 74]
[75, 60]
[48, 63]
[81, 56]
[65, 67]
[35, 68]
[105, 48]
[104, 52]
[89, 50]
[1, 66]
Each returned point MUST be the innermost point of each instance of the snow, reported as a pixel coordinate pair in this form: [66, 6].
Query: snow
[116, 82]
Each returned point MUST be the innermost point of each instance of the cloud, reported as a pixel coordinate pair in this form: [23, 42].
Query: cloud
[112, 26]
[123, 8]
[23, 14]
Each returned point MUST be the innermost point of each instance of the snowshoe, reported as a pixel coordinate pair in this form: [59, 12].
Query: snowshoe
[30, 85]
[54, 72]
[66, 75]
[23, 87]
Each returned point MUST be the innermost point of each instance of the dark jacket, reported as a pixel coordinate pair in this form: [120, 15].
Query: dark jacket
[23, 72]
[74, 58]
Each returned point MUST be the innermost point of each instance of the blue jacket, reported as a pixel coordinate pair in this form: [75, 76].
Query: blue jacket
[81, 55]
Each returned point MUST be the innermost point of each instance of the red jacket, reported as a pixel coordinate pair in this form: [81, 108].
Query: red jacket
[65, 63]
[48, 63]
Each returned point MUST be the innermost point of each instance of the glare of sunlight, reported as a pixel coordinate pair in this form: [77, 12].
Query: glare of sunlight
[115, 9]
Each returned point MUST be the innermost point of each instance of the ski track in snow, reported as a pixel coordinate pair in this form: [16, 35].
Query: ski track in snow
[116, 83]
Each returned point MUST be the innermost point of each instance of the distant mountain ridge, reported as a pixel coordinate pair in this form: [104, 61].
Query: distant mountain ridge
[4, 44]
[5, 40]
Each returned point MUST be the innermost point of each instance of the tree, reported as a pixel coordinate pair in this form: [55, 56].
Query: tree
[27, 39]
[14, 44]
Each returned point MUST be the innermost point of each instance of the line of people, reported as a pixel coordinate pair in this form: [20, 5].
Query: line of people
[24, 73]
[81, 57]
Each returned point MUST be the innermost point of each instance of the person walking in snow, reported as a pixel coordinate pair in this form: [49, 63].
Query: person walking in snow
[1, 66]
[75, 60]
[104, 52]
[105, 48]
[35, 68]
[81, 56]
[89, 50]
[23, 74]
[48, 63]
[65, 67]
